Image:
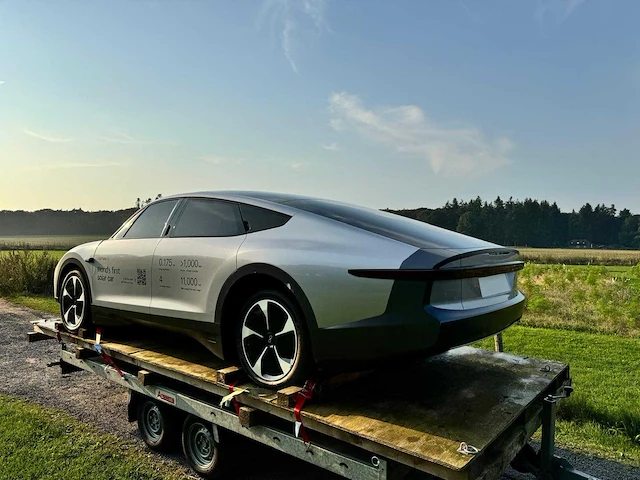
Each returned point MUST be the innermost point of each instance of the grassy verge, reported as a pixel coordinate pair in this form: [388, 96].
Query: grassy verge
[602, 416]
[36, 442]
[44, 303]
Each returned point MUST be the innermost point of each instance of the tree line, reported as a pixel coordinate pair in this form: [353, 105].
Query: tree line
[62, 222]
[67, 222]
[533, 223]
[525, 222]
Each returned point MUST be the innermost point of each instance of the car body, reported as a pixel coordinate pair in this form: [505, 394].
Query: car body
[356, 286]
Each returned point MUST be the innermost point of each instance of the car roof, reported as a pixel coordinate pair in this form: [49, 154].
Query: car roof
[405, 230]
[270, 200]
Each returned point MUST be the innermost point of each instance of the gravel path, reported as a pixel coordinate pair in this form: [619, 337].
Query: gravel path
[24, 373]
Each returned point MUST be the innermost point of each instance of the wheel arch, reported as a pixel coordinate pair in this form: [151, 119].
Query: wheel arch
[246, 281]
[68, 265]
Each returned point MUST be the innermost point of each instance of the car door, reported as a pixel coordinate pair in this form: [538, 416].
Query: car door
[191, 264]
[122, 265]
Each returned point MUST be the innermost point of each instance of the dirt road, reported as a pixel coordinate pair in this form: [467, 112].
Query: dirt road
[24, 373]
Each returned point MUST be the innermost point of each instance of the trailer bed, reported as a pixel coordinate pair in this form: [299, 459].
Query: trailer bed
[416, 414]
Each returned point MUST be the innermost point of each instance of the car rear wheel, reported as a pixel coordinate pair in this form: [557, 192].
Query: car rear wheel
[74, 302]
[272, 341]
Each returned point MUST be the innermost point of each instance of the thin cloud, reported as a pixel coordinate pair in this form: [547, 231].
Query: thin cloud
[2, 82]
[337, 124]
[407, 130]
[297, 165]
[220, 160]
[286, 43]
[294, 19]
[573, 4]
[555, 11]
[127, 139]
[47, 137]
[332, 147]
[56, 166]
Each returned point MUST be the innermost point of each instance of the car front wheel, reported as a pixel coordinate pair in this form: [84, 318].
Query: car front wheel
[75, 307]
[272, 342]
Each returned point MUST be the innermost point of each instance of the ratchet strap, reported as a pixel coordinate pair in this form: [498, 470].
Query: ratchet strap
[105, 357]
[300, 398]
[231, 398]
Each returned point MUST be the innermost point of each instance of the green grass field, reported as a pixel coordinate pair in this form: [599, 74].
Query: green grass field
[42, 242]
[584, 298]
[602, 416]
[54, 253]
[580, 256]
[37, 442]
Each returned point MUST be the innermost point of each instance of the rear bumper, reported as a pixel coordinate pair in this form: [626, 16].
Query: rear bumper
[376, 340]
[458, 328]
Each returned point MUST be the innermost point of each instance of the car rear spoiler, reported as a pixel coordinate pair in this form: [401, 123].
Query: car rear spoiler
[438, 274]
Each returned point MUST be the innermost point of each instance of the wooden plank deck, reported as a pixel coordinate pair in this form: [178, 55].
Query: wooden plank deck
[417, 413]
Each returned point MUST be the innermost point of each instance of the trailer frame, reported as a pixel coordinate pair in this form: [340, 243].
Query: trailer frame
[330, 453]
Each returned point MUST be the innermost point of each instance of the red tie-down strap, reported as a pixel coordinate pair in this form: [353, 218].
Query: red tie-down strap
[105, 357]
[300, 398]
[236, 404]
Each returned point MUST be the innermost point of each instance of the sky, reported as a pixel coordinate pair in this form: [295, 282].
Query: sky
[397, 104]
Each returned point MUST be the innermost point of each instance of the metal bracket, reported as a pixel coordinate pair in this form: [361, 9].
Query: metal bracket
[567, 390]
[546, 465]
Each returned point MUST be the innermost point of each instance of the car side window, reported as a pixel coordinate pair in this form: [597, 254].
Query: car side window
[262, 219]
[151, 222]
[203, 217]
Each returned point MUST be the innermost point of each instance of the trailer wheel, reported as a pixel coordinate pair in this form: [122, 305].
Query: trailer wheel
[157, 426]
[200, 447]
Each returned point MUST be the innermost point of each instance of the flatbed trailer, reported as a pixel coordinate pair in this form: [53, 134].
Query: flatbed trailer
[466, 414]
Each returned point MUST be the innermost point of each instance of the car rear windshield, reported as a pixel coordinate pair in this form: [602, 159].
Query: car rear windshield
[406, 230]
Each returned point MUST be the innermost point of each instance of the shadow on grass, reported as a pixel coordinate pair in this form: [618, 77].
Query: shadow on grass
[616, 421]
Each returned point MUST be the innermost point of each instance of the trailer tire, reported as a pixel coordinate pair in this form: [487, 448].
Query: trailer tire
[158, 426]
[200, 448]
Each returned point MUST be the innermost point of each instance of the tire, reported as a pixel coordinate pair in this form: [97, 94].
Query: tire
[272, 341]
[158, 426]
[200, 448]
[75, 301]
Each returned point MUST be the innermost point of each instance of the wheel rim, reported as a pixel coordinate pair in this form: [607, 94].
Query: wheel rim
[73, 302]
[200, 445]
[151, 422]
[269, 340]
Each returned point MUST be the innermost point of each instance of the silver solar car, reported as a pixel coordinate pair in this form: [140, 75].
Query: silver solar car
[287, 284]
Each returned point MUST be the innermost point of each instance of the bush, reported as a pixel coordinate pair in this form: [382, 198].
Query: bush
[26, 271]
